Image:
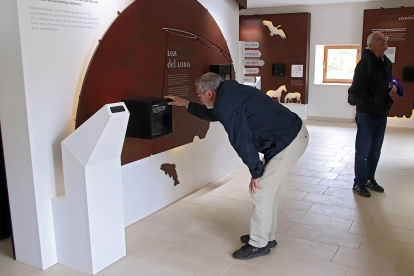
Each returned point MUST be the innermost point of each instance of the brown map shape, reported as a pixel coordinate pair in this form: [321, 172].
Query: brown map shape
[169, 169]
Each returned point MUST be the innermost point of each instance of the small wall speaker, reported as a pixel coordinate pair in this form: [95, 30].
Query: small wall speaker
[278, 69]
[408, 74]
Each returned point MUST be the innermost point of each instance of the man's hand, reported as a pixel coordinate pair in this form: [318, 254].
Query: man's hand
[254, 183]
[177, 101]
[393, 91]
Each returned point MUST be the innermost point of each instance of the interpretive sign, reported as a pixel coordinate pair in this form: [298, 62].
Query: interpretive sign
[135, 61]
[253, 62]
[251, 44]
[249, 79]
[252, 53]
[265, 32]
[251, 70]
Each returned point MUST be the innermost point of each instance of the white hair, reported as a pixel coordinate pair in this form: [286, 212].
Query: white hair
[208, 81]
[370, 38]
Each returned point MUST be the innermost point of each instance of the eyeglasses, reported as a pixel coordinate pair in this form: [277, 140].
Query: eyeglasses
[199, 95]
[381, 38]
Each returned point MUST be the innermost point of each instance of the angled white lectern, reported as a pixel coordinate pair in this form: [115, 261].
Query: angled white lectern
[89, 217]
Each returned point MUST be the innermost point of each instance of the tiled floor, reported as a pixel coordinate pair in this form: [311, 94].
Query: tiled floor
[324, 229]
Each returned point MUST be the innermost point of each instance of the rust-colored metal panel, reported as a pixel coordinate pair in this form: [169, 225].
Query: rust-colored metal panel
[398, 25]
[153, 49]
[294, 49]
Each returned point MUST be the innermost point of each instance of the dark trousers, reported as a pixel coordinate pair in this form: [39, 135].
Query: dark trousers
[368, 143]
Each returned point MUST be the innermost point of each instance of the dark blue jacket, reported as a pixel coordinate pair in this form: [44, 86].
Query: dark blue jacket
[371, 85]
[254, 122]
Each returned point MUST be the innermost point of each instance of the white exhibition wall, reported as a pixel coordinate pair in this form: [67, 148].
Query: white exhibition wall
[42, 71]
[16, 140]
[334, 24]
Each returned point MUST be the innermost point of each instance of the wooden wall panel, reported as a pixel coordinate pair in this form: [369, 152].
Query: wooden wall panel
[398, 25]
[292, 50]
[132, 60]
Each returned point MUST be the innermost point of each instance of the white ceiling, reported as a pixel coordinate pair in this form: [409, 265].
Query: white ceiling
[281, 3]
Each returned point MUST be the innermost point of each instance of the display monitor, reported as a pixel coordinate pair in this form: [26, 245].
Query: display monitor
[150, 118]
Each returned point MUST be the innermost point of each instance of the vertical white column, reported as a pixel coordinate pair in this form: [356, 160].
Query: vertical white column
[89, 217]
[242, 48]
[16, 140]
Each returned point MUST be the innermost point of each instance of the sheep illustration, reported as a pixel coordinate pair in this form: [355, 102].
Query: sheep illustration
[290, 96]
[276, 93]
[274, 30]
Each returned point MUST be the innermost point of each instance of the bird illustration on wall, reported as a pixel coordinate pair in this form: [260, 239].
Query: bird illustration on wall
[274, 30]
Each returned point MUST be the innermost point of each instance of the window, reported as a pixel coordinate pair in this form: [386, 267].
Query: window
[339, 63]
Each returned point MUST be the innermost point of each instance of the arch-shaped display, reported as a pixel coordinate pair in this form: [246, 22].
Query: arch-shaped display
[140, 57]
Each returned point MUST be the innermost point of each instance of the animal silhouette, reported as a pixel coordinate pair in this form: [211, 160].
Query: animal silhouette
[294, 95]
[274, 30]
[276, 93]
[170, 170]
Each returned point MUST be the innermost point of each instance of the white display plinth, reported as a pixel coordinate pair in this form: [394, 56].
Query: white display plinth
[300, 109]
[89, 218]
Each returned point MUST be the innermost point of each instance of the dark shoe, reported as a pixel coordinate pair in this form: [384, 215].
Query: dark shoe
[248, 251]
[373, 185]
[361, 190]
[246, 238]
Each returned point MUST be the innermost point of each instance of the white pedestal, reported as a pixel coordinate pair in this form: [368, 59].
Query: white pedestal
[300, 109]
[89, 218]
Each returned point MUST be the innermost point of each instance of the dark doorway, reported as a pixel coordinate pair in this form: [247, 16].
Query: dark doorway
[5, 218]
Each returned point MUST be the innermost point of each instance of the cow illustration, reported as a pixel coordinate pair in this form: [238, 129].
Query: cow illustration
[274, 30]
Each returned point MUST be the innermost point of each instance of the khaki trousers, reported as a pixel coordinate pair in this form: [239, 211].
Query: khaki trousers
[263, 222]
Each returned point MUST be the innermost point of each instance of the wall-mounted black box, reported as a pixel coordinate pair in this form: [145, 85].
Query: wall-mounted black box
[408, 74]
[149, 118]
[278, 69]
[224, 70]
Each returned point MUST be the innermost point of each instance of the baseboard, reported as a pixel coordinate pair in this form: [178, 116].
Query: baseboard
[331, 119]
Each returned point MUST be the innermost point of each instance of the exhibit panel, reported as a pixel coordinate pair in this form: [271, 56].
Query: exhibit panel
[133, 61]
[276, 49]
[398, 26]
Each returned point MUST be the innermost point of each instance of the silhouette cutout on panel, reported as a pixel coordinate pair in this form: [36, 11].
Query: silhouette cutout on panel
[277, 93]
[170, 170]
[274, 30]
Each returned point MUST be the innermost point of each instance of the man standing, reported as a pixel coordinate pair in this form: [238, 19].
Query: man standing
[254, 123]
[372, 87]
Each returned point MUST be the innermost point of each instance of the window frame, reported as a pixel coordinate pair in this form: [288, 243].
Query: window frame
[325, 59]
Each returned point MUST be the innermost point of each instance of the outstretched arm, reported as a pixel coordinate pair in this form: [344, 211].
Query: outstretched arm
[177, 101]
[198, 110]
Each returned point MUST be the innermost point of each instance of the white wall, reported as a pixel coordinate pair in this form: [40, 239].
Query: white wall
[41, 77]
[330, 25]
[15, 132]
